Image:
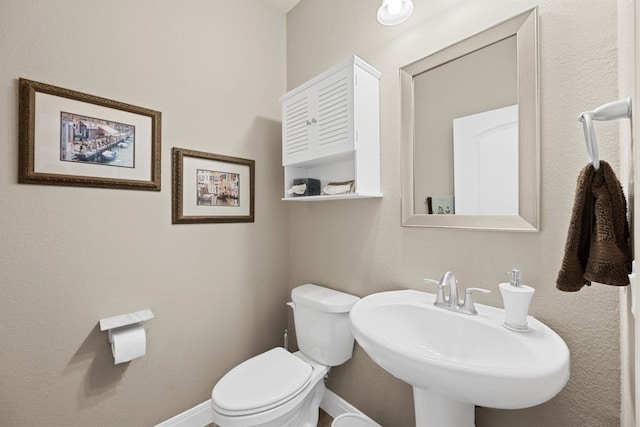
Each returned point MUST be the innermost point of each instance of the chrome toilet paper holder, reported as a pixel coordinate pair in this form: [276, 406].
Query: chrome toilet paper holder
[117, 323]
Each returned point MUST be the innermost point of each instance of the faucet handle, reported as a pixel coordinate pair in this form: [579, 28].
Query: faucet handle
[468, 305]
[440, 293]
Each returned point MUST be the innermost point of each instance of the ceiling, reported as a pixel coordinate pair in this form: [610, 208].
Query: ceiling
[282, 5]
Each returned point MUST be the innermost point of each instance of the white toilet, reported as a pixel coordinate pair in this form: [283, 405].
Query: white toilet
[281, 389]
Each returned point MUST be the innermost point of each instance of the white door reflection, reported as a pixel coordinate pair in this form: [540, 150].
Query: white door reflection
[485, 158]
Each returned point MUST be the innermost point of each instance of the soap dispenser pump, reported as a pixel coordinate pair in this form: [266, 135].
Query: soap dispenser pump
[516, 297]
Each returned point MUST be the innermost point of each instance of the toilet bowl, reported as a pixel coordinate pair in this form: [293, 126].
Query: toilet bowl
[272, 389]
[281, 389]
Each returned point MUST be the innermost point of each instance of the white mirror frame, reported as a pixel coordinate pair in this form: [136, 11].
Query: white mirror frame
[525, 27]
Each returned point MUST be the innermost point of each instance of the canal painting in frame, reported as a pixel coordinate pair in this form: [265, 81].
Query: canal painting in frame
[209, 188]
[92, 140]
[217, 188]
[76, 139]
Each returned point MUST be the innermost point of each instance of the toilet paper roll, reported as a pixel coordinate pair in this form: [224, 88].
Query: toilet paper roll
[128, 343]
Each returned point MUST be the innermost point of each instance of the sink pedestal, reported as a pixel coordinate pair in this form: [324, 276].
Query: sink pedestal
[436, 410]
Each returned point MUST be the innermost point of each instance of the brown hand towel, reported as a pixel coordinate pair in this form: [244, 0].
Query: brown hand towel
[597, 247]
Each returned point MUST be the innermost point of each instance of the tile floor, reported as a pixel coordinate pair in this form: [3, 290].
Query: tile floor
[325, 419]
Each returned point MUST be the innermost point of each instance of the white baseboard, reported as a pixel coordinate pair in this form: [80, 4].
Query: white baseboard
[198, 416]
[201, 415]
[334, 405]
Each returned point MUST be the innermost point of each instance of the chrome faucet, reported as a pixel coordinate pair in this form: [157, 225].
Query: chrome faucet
[449, 279]
[452, 302]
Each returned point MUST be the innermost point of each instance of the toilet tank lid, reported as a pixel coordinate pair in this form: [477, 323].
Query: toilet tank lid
[323, 299]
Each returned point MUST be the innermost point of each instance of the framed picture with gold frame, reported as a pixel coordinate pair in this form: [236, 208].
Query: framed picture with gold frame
[76, 139]
[209, 188]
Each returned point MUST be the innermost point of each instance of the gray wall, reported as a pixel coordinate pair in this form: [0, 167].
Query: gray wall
[360, 247]
[71, 256]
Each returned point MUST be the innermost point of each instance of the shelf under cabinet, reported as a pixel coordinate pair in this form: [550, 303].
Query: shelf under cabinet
[332, 197]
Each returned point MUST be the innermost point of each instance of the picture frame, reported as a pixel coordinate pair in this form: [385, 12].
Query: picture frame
[439, 205]
[72, 138]
[211, 188]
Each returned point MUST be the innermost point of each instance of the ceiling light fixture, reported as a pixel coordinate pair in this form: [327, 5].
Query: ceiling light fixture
[393, 12]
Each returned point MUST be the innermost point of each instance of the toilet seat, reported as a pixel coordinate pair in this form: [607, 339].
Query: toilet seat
[261, 383]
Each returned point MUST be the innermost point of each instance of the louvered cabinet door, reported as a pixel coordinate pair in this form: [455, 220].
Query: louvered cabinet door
[318, 122]
[335, 114]
[296, 129]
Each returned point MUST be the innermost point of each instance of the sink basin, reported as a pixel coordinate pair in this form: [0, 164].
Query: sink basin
[457, 361]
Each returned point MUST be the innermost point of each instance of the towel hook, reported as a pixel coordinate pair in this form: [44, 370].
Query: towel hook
[620, 109]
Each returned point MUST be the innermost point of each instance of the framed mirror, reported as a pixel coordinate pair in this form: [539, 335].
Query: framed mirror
[470, 132]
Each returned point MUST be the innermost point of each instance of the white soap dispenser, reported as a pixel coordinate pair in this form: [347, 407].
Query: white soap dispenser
[516, 297]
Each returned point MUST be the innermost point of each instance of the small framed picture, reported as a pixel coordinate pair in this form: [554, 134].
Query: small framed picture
[211, 188]
[440, 205]
[72, 138]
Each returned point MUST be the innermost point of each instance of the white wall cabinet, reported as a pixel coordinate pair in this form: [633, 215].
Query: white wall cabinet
[331, 130]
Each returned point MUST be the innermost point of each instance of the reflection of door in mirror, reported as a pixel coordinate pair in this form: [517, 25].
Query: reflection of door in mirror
[485, 162]
[479, 82]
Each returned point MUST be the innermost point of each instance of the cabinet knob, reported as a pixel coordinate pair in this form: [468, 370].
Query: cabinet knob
[312, 121]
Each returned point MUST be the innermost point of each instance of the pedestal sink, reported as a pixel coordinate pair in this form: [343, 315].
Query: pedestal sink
[455, 361]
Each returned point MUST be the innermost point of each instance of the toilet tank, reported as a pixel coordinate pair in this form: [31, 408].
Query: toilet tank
[321, 318]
